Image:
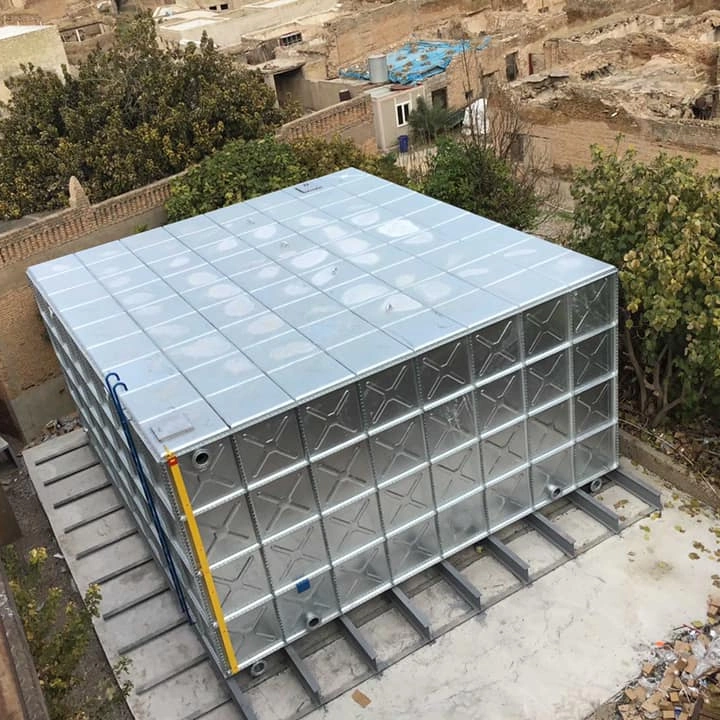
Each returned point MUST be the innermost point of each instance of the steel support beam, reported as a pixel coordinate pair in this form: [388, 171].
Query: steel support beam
[513, 562]
[461, 584]
[62, 476]
[121, 571]
[360, 643]
[158, 632]
[602, 513]
[551, 532]
[92, 517]
[411, 613]
[239, 698]
[106, 543]
[637, 487]
[304, 675]
[79, 495]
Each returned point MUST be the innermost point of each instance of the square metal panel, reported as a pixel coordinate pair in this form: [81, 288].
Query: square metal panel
[362, 576]
[549, 428]
[255, 633]
[283, 503]
[398, 449]
[390, 394]
[456, 475]
[551, 476]
[413, 548]
[270, 447]
[226, 529]
[343, 475]
[508, 499]
[405, 500]
[500, 402]
[353, 526]
[296, 555]
[331, 420]
[357, 381]
[463, 523]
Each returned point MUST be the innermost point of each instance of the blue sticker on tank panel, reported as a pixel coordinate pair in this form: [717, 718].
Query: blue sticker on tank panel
[302, 585]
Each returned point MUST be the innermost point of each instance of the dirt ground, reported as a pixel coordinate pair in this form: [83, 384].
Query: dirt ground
[94, 669]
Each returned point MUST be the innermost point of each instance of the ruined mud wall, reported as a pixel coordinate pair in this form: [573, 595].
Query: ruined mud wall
[352, 39]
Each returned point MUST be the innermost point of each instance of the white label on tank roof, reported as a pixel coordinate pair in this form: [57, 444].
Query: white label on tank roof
[168, 428]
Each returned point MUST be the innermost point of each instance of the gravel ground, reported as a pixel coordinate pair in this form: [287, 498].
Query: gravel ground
[94, 670]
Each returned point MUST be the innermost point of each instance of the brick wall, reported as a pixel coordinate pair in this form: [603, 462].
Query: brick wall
[31, 387]
[566, 145]
[330, 120]
[66, 225]
[32, 391]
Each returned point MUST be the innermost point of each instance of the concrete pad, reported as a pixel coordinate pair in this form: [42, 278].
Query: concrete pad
[536, 551]
[440, 604]
[279, 697]
[390, 634]
[579, 526]
[172, 676]
[76, 459]
[338, 663]
[562, 646]
[491, 578]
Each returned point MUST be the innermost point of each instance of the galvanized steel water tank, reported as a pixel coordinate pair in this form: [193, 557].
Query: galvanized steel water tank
[329, 389]
[378, 67]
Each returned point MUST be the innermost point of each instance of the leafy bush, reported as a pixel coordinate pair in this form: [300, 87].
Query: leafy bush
[133, 114]
[658, 222]
[470, 174]
[242, 170]
[58, 631]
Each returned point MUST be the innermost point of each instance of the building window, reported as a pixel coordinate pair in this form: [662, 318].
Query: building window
[402, 112]
[290, 39]
[224, 6]
[518, 145]
[439, 98]
[511, 66]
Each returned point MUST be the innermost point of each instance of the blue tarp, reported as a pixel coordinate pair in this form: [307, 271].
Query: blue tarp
[417, 61]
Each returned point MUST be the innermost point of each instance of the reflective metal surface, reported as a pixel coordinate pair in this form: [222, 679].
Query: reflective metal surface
[357, 380]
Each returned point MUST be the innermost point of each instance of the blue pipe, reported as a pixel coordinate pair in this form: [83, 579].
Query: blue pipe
[112, 389]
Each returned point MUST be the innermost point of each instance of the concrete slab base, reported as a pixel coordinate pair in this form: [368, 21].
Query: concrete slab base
[555, 649]
[559, 648]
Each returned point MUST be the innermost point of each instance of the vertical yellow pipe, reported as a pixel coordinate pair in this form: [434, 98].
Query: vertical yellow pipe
[201, 557]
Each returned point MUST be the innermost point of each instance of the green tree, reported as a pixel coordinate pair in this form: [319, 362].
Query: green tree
[658, 223]
[132, 114]
[428, 122]
[242, 170]
[470, 174]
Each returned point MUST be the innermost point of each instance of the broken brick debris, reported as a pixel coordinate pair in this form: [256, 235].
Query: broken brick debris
[680, 679]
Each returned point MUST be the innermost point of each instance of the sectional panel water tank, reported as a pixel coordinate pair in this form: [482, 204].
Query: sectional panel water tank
[308, 397]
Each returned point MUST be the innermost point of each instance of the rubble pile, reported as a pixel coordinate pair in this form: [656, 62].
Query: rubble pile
[681, 678]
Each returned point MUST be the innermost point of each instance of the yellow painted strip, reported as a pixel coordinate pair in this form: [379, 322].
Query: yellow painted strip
[201, 557]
